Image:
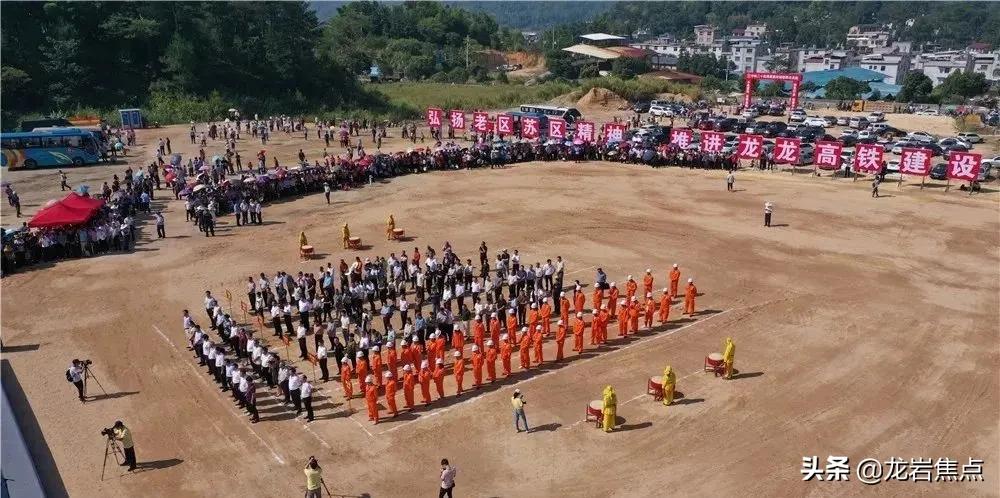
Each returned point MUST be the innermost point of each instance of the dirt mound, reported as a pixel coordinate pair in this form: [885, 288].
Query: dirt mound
[528, 60]
[601, 98]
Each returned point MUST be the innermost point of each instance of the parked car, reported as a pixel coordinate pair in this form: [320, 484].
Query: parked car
[660, 110]
[892, 166]
[971, 138]
[776, 109]
[842, 120]
[810, 133]
[897, 148]
[814, 121]
[927, 112]
[749, 113]
[726, 124]
[876, 117]
[640, 107]
[797, 116]
[984, 172]
[920, 136]
[756, 128]
[992, 163]
[939, 171]
[858, 123]
[947, 142]
[878, 127]
[773, 128]
[956, 147]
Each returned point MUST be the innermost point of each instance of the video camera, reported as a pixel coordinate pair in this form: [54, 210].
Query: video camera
[86, 363]
[108, 432]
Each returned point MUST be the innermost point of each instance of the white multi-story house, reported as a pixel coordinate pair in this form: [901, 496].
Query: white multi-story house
[663, 44]
[893, 66]
[867, 37]
[756, 30]
[938, 66]
[704, 34]
[987, 64]
[743, 52]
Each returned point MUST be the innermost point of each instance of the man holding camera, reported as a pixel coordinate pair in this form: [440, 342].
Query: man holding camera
[121, 433]
[75, 375]
[314, 479]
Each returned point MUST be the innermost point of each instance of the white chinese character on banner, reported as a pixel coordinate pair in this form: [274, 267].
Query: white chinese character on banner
[827, 154]
[962, 166]
[786, 151]
[750, 146]
[681, 137]
[457, 120]
[837, 468]
[585, 131]
[867, 159]
[433, 117]
[504, 124]
[557, 128]
[480, 122]
[713, 142]
[530, 128]
[615, 133]
[914, 162]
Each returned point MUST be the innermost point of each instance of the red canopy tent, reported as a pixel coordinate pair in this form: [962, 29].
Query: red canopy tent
[74, 209]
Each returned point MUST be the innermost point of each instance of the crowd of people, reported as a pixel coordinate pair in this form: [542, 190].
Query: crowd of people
[410, 320]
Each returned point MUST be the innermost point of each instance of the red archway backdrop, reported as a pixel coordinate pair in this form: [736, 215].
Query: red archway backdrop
[753, 77]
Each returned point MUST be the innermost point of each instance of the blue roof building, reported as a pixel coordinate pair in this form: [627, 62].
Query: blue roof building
[873, 78]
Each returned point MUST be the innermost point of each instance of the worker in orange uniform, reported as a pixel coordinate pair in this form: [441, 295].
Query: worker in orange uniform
[478, 332]
[345, 380]
[579, 300]
[511, 326]
[560, 339]
[409, 383]
[649, 308]
[458, 340]
[605, 316]
[425, 382]
[689, 294]
[390, 392]
[564, 307]
[633, 315]
[362, 370]
[438, 376]
[439, 345]
[371, 399]
[546, 313]
[477, 367]
[376, 356]
[665, 306]
[506, 350]
[647, 282]
[525, 349]
[598, 297]
[533, 317]
[630, 287]
[404, 352]
[491, 360]
[595, 327]
[578, 328]
[416, 354]
[430, 345]
[459, 368]
[613, 299]
[536, 343]
[494, 328]
[392, 358]
[622, 318]
[675, 278]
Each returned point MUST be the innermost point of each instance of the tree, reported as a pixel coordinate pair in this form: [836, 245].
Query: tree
[916, 87]
[703, 65]
[844, 88]
[627, 67]
[875, 95]
[772, 89]
[561, 64]
[962, 84]
[779, 63]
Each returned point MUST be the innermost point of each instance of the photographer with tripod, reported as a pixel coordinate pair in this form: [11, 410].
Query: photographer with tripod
[121, 433]
[314, 479]
[78, 374]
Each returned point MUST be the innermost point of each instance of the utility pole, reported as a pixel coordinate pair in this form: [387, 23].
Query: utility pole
[466, 52]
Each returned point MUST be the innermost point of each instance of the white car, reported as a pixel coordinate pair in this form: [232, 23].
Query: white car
[842, 120]
[892, 166]
[970, 138]
[661, 110]
[797, 117]
[849, 133]
[815, 121]
[993, 163]
[863, 134]
[876, 117]
[897, 148]
[927, 112]
[948, 142]
[920, 136]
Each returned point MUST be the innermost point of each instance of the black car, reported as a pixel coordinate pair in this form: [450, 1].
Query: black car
[939, 171]
[810, 133]
[640, 107]
[773, 128]
[726, 124]
[755, 128]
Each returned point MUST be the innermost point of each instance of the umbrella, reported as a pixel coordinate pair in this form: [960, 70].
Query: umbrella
[175, 159]
[198, 188]
[82, 189]
[248, 180]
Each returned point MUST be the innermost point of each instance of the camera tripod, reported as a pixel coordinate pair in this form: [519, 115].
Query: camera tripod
[110, 446]
[88, 374]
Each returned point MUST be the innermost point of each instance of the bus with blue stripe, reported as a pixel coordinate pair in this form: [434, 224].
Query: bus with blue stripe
[47, 148]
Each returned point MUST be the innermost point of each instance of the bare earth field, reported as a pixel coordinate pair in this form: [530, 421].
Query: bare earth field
[864, 327]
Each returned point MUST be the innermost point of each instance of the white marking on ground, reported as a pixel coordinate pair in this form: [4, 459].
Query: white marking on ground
[165, 338]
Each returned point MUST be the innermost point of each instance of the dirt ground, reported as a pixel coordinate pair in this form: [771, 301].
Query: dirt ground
[864, 327]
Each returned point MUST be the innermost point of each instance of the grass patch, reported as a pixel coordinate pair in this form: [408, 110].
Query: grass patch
[468, 97]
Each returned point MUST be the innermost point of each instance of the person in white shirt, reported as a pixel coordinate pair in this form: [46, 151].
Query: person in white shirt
[321, 354]
[276, 320]
[300, 334]
[448, 474]
[75, 375]
[283, 374]
[404, 307]
[294, 385]
[209, 305]
[306, 395]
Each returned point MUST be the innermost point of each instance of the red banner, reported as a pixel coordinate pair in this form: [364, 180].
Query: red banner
[614, 132]
[481, 122]
[964, 165]
[585, 131]
[557, 128]
[787, 150]
[868, 158]
[828, 154]
[680, 137]
[712, 141]
[505, 124]
[915, 161]
[750, 146]
[434, 117]
[774, 76]
[529, 128]
[457, 119]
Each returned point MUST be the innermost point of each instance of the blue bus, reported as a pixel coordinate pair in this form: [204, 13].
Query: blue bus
[57, 147]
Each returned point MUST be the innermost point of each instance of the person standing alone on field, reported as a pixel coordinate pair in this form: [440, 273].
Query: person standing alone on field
[730, 180]
[517, 402]
[314, 478]
[875, 184]
[447, 479]
[768, 210]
